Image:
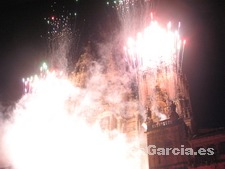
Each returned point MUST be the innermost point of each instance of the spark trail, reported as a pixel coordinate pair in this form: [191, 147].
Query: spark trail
[154, 56]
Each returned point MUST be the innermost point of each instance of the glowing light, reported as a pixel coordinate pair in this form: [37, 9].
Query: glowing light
[154, 47]
[53, 117]
[157, 53]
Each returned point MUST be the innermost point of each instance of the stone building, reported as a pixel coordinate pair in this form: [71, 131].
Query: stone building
[160, 115]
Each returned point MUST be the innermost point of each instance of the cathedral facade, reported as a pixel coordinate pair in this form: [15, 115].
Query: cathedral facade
[158, 113]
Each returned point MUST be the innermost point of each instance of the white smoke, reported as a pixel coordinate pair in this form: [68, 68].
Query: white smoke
[49, 127]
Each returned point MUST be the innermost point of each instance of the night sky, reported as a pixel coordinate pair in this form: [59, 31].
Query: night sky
[23, 46]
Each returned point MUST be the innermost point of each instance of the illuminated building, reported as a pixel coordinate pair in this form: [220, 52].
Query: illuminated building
[171, 127]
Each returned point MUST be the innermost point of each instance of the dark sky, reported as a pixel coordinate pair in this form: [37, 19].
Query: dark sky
[203, 24]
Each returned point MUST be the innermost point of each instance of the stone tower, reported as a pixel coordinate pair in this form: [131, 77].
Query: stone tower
[168, 122]
[157, 92]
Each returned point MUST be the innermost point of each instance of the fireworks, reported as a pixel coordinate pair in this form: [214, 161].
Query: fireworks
[134, 15]
[53, 122]
[60, 22]
[58, 26]
[155, 48]
[155, 56]
[61, 34]
[31, 83]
